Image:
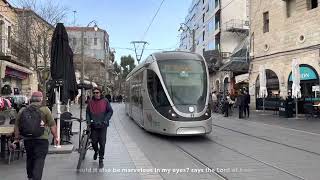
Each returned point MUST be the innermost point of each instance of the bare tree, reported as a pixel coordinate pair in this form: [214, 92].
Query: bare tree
[35, 26]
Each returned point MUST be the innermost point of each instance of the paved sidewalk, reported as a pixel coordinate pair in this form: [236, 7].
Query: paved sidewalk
[62, 166]
[268, 117]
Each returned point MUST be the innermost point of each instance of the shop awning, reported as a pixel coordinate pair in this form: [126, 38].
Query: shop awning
[242, 78]
[11, 69]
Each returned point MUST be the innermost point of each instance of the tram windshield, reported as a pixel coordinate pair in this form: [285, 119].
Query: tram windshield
[186, 81]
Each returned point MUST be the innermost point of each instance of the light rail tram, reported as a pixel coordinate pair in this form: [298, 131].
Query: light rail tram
[168, 93]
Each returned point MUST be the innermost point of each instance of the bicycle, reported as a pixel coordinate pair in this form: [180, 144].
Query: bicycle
[84, 145]
[84, 142]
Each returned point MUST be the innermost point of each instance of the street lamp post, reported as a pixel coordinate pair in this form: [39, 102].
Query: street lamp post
[183, 28]
[110, 51]
[95, 27]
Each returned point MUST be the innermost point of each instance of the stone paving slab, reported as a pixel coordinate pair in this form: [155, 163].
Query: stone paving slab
[64, 149]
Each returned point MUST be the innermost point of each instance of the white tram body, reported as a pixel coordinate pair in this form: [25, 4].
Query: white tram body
[168, 94]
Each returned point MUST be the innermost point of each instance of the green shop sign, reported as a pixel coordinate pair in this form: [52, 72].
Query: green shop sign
[306, 73]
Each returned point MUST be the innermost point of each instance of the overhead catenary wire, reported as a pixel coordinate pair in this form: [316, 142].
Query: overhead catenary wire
[155, 15]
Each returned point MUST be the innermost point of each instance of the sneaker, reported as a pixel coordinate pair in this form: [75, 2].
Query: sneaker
[100, 164]
[95, 156]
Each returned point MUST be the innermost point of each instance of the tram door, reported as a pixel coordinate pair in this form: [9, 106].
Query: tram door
[136, 98]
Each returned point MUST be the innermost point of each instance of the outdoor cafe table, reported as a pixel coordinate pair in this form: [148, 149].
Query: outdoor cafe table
[5, 132]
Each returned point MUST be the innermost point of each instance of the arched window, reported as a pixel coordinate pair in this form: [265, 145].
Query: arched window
[272, 84]
[308, 78]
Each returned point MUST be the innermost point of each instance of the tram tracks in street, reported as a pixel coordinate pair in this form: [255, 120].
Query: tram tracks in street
[213, 171]
[268, 140]
[261, 161]
[255, 159]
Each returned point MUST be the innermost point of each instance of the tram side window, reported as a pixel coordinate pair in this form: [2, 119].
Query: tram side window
[155, 90]
[136, 90]
[127, 85]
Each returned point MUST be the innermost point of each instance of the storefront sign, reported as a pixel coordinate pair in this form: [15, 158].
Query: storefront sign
[242, 78]
[315, 88]
[306, 73]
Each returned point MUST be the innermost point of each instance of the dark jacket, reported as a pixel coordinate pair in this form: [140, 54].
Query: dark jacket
[246, 99]
[99, 112]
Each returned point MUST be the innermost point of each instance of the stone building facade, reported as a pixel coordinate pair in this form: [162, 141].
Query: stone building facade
[280, 32]
[15, 61]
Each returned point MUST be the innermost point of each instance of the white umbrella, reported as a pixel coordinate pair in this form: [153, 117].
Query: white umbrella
[263, 83]
[296, 89]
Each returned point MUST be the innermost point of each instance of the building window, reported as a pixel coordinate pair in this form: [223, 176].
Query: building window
[210, 26]
[210, 45]
[203, 16]
[291, 7]
[203, 35]
[312, 4]
[265, 22]
[95, 41]
[211, 4]
[74, 42]
[9, 36]
[85, 41]
[39, 44]
[202, 1]
[217, 3]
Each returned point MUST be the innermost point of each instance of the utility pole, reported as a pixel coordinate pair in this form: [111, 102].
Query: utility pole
[193, 40]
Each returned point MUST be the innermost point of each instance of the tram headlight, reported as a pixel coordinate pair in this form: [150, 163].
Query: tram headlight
[173, 115]
[206, 114]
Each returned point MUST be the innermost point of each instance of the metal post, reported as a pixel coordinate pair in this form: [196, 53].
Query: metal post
[107, 68]
[263, 99]
[193, 40]
[296, 99]
[57, 93]
[82, 82]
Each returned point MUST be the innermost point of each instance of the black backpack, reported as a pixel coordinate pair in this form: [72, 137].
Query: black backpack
[31, 124]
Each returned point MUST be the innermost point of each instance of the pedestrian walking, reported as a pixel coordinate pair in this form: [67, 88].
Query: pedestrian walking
[34, 124]
[246, 104]
[98, 114]
[214, 101]
[240, 104]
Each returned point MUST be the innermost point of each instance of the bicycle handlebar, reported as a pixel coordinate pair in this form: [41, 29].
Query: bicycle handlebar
[71, 120]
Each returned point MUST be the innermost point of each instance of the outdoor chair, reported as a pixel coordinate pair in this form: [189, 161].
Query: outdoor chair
[15, 154]
[309, 110]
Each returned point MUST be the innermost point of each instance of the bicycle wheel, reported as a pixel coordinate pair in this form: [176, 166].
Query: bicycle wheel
[83, 150]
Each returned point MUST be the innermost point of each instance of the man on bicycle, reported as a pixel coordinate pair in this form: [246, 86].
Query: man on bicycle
[98, 114]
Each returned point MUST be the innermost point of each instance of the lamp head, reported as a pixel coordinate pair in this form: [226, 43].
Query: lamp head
[95, 27]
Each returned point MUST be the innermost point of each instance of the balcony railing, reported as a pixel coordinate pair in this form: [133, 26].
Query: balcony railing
[21, 52]
[236, 25]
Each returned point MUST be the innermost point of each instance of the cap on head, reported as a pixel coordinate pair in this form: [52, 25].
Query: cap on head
[37, 94]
